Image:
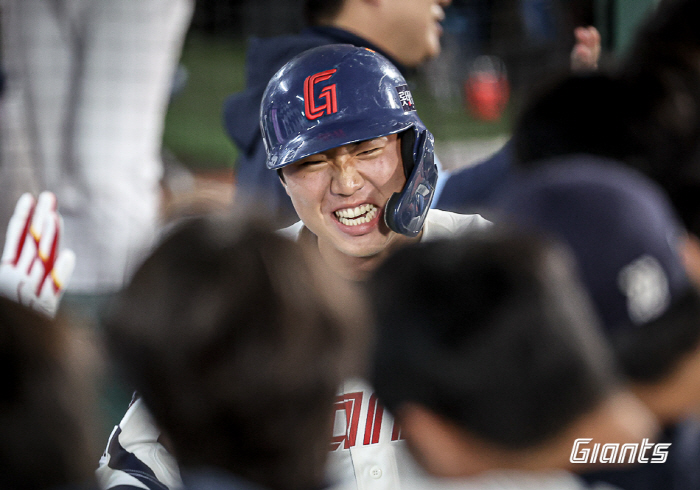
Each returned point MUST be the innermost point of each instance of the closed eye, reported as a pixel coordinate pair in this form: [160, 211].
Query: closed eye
[370, 151]
[308, 163]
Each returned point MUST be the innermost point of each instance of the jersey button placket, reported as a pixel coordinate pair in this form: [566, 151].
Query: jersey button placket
[375, 472]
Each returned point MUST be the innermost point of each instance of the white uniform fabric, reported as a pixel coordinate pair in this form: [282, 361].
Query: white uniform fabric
[134, 457]
[87, 89]
[367, 451]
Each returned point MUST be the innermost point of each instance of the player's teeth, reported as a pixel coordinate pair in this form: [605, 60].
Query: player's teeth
[356, 211]
[370, 209]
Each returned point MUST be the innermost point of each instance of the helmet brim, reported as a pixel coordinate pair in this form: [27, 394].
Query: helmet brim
[332, 135]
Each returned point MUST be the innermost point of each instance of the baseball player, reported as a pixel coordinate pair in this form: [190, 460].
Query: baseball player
[341, 130]
[406, 32]
[499, 363]
[635, 262]
[188, 332]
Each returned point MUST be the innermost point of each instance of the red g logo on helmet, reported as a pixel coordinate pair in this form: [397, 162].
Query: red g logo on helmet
[329, 106]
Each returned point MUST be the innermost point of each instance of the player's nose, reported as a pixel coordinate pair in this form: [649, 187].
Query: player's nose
[346, 179]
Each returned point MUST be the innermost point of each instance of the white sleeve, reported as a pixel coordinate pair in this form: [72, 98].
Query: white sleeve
[134, 458]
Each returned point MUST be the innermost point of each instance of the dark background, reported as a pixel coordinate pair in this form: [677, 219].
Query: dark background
[532, 38]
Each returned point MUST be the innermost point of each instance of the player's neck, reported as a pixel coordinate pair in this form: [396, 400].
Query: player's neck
[365, 20]
[349, 267]
[354, 268]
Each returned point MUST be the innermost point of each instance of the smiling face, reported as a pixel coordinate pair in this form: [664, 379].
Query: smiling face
[340, 195]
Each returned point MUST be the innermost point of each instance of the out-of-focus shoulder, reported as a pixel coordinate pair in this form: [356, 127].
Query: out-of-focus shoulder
[444, 224]
[293, 231]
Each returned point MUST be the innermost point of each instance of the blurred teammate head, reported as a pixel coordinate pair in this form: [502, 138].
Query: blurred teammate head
[46, 414]
[340, 126]
[627, 243]
[664, 66]
[407, 30]
[238, 347]
[647, 114]
[489, 355]
[584, 113]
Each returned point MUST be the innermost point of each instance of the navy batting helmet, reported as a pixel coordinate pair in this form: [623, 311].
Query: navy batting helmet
[338, 94]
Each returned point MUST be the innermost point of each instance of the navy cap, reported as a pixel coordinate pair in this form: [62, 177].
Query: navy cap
[620, 226]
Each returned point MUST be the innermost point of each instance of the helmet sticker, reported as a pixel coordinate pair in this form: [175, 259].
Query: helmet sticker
[406, 98]
[330, 105]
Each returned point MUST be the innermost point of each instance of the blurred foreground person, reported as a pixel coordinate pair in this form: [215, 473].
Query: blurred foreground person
[646, 115]
[471, 189]
[238, 347]
[664, 66]
[47, 410]
[628, 245]
[498, 364]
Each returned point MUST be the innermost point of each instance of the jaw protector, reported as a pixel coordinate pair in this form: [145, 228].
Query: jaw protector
[405, 211]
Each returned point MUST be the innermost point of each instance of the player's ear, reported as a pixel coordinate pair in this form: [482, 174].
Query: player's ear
[284, 182]
[690, 251]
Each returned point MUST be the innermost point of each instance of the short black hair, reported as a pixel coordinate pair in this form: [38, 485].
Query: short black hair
[647, 116]
[579, 114]
[492, 332]
[238, 350]
[320, 12]
[46, 411]
[662, 65]
[672, 30]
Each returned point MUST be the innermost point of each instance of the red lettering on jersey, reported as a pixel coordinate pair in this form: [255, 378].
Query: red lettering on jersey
[373, 426]
[330, 105]
[350, 403]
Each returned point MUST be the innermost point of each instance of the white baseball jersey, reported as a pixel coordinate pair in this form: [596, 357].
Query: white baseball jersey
[367, 451]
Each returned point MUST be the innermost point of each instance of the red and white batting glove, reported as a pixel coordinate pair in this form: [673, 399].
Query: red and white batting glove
[34, 270]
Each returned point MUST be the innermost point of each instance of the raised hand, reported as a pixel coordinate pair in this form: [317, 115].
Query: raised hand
[34, 270]
[585, 54]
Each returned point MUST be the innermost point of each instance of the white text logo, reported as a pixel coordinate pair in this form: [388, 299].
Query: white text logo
[644, 452]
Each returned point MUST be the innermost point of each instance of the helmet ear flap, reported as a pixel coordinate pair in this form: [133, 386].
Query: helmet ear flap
[408, 141]
[406, 211]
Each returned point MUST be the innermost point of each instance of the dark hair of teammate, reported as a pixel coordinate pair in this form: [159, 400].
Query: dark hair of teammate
[45, 411]
[490, 332]
[238, 347]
